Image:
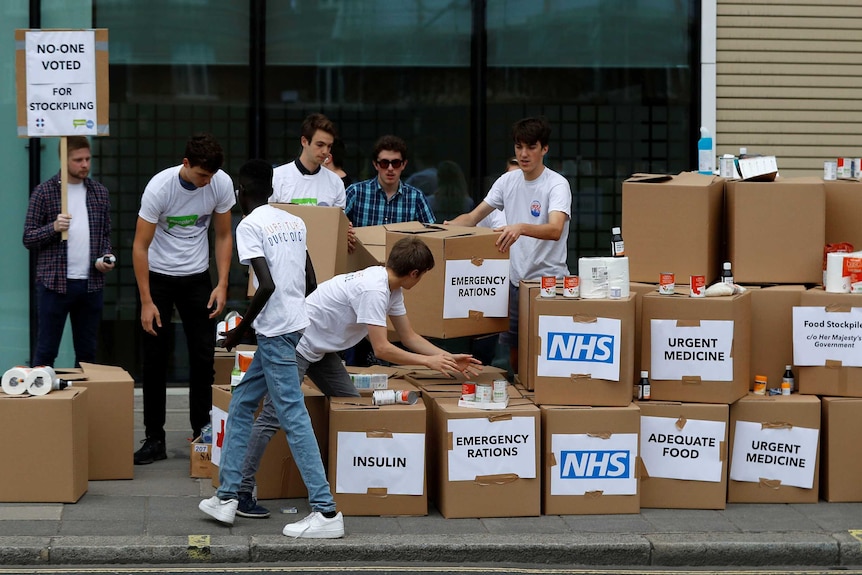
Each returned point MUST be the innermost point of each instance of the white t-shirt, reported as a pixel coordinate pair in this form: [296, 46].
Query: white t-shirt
[531, 203]
[78, 247]
[180, 245]
[496, 219]
[290, 186]
[342, 308]
[279, 237]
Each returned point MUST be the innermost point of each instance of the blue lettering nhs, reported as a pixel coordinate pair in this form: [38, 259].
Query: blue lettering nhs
[595, 465]
[598, 348]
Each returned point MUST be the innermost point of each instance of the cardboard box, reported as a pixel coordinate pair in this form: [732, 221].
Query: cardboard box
[684, 455]
[843, 206]
[44, 447]
[776, 424]
[377, 457]
[528, 291]
[498, 480]
[585, 350]
[200, 458]
[278, 476]
[673, 225]
[840, 449]
[776, 230]
[639, 289]
[697, 360]
[467, 291]
[772, 331]
[370, 248]
[833, 378]
[590, 460]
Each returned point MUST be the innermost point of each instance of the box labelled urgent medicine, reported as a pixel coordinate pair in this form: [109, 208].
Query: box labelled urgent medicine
[585, 350]
[827, 343]
[377, 457]
[774, 449]
[840, 448]
[673, 224]
[467, 291]
[776, 230]
[44, 447]
[843, 206]
[772, 331]
[683, 449]
[278, 477]
[590, 460]
[697, 349]
[487, 461]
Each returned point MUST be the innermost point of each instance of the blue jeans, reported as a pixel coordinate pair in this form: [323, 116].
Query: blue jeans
[273, 372]
[328, 375]
[82, 307]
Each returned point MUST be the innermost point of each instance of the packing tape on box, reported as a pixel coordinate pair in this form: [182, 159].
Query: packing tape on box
[41, 380]
[598, 275]
[13, 380]
[834, 279]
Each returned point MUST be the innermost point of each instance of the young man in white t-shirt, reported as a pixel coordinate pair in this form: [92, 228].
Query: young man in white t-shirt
[537, 203]
[272, 241]
[171, 258]
[342, 311]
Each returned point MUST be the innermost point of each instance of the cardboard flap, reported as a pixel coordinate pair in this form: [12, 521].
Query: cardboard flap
[649, 178]
[499, 479]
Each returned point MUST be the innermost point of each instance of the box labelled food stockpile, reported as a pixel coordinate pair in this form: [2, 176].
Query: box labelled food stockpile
[673, 224]
[487, 461]
[377, 461]
[841, 450]
[697, 350]
[278, 477]
[683, 448]
[45, 446]
[590, 460]
[774, 449]
[827, 343]
[585, 350]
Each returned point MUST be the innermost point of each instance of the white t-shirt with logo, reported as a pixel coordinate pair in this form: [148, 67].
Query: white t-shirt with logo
[279, 237]
[530, 202]
[342, 308]
[290, 186]
[180, 246]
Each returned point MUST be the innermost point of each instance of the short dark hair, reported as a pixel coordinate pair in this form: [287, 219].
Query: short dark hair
[531, 130]
[338, 151]
[389, 143]
[255, 179]
[409, 254]
[315, 122]
[77, 143]
[203, 151]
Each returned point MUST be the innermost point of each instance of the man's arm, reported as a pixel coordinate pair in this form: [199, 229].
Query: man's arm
[223, 254]
[423, 351]
[265, 289]
[550, 231]
[474, 217]
[144, 232]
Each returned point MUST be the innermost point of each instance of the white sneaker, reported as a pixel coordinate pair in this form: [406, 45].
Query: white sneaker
[223, 511]
[316, 526]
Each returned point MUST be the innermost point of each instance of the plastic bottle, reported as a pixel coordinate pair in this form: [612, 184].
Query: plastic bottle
[644, 391]
[743, 152]
[207, 433]
[726, 274]
[788, 377]
[760, 384]
[705, 153]
[618, 247]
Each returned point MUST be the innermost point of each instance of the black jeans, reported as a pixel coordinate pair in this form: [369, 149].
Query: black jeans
[82, 307]
[190, 295]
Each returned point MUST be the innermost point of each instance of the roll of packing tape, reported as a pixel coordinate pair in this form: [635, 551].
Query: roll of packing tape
[14, 380]
[41, 380]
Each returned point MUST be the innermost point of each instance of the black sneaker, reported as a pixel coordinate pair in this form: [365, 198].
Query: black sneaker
[153, 450]
[248, 507]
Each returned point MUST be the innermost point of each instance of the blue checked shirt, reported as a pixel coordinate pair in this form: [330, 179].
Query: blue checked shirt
[367, 205]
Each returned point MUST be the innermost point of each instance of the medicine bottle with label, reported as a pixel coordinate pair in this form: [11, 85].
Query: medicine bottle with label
[618, 248]
[789, 379]
[760, 385]
[726, 274]
[644, 391]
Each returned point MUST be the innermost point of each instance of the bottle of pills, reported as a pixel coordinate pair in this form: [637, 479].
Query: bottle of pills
[760, 385]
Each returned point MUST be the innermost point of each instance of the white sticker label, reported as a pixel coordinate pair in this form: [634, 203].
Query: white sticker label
[784, 454]
[587, 463]
[692, 453]
[704, 350]
[396, 463]
[819, 336]
[481, 447]
[483, 288]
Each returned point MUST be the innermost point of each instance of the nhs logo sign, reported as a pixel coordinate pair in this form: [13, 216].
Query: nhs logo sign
[595, 464]
[579, 347]
[585, 463]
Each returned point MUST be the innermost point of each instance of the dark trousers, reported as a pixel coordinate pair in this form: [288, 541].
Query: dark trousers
[82, 307]
[190, 295]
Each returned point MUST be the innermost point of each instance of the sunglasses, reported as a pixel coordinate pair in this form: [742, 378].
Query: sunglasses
[386, 163]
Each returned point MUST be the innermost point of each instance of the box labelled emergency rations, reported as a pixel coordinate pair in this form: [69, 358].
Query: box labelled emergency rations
[585, 350]
[44, 447]
[774, 449]
[377, 462]
[697, 350]
[843, 206]
[683, 449]
[590, 460]
[673, 224]
[840, 449]
[277, 477]
[776, 230]
[467, 291]
[326, 239]
[487, 462]
[827, 343]
[200, 457]
[772, 331]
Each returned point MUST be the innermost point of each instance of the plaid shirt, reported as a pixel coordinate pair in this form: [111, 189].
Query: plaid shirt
[39, 234]
[367, 205]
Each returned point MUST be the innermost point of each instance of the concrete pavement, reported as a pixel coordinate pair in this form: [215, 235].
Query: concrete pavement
[154, 519]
